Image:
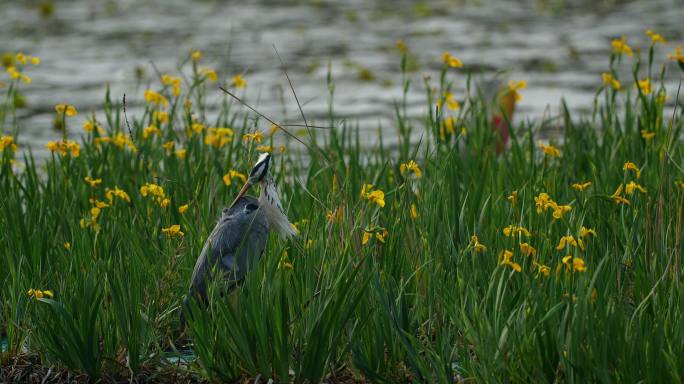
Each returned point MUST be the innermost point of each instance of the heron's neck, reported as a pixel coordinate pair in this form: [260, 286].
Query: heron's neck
[269, 201]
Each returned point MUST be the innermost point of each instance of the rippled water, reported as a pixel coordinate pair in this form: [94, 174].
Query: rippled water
[84, 45]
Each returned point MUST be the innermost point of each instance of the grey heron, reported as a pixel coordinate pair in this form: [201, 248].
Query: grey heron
[238, 239]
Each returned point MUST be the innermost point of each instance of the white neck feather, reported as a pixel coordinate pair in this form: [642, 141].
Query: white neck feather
[269, 203]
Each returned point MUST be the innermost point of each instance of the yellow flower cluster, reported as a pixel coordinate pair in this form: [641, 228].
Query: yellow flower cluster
[209, 74]
[64, 147]
[549, 150]
[373, 195]
[581, 186]
[160, 117]
[677, 55]
[656, 37]
[196, 128]
[584, 232]
[173, 231]
[632, 186]
[336, 215]
[239, 81]
[298, 224]
[410, 167]
[617, 196]
[16, 74]
[515, 86]
[286, 265]
[379, 233]
[182, 208]
[285, 262]
[629, 166]
[572, 264]
[95, 212]
[644, 86]
[620, 46]
[256, 137]
[90, 126]
[218, 137]
[477, 246]
[7, 142]
[575, 264]
[451, 61]
[647, 135]
[528, 250]
[169, 145]
[150, 130]
[543, 270]
[228, 177]
[174, 82]
[513, 197]
[155, 192]
[309, 243]
[569, 240]
[195, 55]
[92, 182]
[450, 101]
[38, 294]
[98, 204]
[155, 98]
[609, 79]
[448, 127]
[513, 230]
[66, 110]
[24, 59]
[120, 140]
[544, 202]
[505, 259]
[14, 70]
[180, 153]
[110, 194]
[268, 148]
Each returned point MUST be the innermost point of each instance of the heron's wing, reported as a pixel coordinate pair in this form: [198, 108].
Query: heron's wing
[202, 271]
[251, 249]
[237, 241]
[240, 245]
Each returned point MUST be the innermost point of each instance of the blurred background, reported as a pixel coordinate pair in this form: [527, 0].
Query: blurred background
[559, 47]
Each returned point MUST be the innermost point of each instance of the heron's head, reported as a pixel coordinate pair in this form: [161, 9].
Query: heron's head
[261, 169]
[269, 201]
[258, 174]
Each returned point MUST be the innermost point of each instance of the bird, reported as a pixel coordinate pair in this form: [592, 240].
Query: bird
[503, 114]
[238, 240]
[501, 98]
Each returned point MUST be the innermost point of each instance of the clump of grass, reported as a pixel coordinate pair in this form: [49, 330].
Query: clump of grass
[438, 261]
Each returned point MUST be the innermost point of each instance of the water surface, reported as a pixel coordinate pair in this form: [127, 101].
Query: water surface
[85, 45]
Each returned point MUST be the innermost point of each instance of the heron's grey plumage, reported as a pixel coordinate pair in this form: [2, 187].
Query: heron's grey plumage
[239, 238]
[233, 247]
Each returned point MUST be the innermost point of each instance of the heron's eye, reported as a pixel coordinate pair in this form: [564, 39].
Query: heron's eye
[251, 207]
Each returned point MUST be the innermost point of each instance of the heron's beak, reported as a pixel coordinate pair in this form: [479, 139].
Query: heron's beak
[244, 190]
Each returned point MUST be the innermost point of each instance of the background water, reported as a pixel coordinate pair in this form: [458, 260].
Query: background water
[559, 47]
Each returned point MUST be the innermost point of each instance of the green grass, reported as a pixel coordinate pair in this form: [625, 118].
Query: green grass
[423, 305]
